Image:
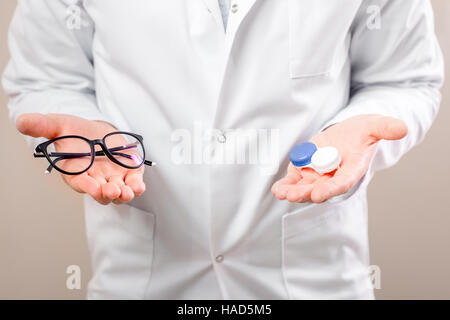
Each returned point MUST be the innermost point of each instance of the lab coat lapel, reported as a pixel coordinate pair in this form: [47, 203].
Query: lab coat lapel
[243, 8]
[214, 9]
[236, 17]
[234, 21]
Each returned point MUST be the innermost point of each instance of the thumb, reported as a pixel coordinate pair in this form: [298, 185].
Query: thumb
[39, 125]
[389, 128]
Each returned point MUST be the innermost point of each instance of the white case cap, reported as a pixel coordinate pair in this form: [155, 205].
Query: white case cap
[326, 159]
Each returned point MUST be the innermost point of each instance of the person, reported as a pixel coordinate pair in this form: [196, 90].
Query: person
[362, 76]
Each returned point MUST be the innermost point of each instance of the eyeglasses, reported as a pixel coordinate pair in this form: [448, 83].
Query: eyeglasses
[74, 155]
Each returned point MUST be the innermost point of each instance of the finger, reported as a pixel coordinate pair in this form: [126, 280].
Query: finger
[299, 193]
[344, 179]
[292, 177]
[117, 179]
[309, 176]
[86, 184]
[100, 179]
[110, 191]
[38, 125]
[281, 187]
[100, 198]
[126, 193]
[291, 184]
[287, 180]
[117, 201]
[135, 181]
[389, 128]
[83, 183]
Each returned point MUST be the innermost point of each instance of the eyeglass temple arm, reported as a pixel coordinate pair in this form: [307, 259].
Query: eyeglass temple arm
[38, 155]
[63, 156]
[75, 155]
[81, 155]
[149, 163]
[146, 162]
[84, 154]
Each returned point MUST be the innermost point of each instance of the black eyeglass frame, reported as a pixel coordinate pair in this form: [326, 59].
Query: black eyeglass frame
[41, 151]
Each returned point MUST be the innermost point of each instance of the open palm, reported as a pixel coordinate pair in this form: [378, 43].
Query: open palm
[355, 138]
[105, 181]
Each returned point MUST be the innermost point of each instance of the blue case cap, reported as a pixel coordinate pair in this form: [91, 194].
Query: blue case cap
[301, 154]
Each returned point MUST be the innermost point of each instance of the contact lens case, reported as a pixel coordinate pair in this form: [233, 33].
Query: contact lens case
[308, 155]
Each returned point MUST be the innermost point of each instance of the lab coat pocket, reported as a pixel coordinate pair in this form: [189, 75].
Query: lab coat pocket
[319, 36]
[325, 250]
[121, 240]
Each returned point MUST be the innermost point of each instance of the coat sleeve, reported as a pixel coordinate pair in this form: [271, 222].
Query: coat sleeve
[397, 71]
[51, 66]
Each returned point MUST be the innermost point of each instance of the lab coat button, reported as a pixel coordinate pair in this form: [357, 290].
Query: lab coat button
[219, 258]
[234, 8]
[222, 138]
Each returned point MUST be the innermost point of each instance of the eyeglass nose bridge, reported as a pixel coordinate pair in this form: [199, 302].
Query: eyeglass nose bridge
[101, 143]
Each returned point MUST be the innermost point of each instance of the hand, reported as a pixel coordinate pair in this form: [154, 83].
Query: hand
[105, 181]
[356, 139]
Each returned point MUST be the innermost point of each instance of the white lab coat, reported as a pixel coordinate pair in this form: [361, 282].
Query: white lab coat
[214, 230]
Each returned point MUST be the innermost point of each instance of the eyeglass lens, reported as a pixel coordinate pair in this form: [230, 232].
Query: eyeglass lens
[126, 149]
[72, 155]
